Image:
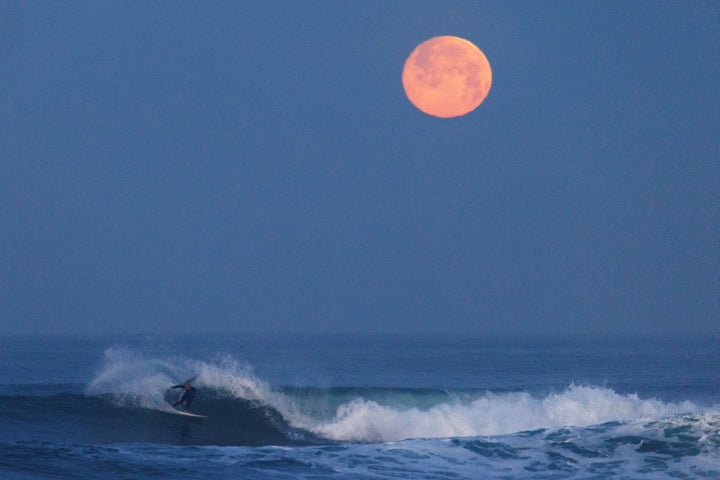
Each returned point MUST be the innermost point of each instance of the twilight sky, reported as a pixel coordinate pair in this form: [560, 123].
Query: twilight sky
[256, 166]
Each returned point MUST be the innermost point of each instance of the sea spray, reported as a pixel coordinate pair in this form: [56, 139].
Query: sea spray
[372, 415]
[76, 423]
[132, 379]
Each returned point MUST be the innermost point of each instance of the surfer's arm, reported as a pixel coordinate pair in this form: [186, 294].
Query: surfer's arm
[177, 386]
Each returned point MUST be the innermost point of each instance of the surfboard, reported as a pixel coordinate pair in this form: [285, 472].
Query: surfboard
[188, 414]
[184, 413]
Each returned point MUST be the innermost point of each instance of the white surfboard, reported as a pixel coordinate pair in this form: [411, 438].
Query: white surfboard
[185, 413]
[188, 414]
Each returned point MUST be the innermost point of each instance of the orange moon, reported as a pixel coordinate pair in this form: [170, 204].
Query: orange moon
[446, 77]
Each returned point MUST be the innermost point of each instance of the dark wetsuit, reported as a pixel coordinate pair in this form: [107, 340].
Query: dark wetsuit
[187, 397]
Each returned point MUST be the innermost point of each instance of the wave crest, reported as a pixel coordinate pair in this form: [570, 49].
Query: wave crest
[368, 415]
[493, 414]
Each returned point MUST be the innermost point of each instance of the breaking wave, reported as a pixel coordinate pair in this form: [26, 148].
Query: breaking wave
[232, 396]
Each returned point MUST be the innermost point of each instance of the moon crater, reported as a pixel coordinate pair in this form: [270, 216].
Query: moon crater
[446, 77]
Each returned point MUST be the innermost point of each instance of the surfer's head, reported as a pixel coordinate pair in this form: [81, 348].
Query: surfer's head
[188, 386]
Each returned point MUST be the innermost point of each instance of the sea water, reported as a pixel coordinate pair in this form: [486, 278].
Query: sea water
[359, 406]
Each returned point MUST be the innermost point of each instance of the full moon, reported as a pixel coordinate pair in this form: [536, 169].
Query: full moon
[446, 77]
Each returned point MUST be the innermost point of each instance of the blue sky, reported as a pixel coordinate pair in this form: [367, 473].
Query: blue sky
[256, 166]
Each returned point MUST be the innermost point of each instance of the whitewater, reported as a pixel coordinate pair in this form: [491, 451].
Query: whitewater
[398, 421]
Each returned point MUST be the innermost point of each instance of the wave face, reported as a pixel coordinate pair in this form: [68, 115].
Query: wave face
[120, 425]
[129, 401]
[683, 446]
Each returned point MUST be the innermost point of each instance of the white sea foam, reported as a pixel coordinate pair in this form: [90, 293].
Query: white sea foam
[142, 381]
[493, 414]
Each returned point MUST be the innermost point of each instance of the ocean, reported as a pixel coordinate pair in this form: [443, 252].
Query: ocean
[360, 407]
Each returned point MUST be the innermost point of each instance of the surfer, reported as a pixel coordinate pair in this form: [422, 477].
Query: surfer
[187, 397]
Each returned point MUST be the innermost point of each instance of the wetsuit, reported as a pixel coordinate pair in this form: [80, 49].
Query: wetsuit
[187, 397]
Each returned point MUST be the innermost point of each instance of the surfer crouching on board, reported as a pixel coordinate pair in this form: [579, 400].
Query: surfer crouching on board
[187, 397]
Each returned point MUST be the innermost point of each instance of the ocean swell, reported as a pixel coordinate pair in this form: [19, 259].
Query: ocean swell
[229, 391]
